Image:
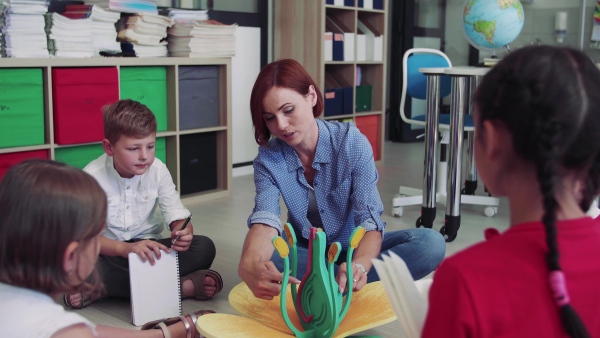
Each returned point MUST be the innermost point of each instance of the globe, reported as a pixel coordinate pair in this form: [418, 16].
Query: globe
[492, 24]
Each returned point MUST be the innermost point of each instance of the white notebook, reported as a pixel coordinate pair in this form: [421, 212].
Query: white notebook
[155, 289]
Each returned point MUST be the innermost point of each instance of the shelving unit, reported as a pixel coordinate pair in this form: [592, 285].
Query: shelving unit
[301, 36]
[208, 166]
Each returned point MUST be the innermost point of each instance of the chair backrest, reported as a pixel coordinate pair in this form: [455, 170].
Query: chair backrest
[414, 83]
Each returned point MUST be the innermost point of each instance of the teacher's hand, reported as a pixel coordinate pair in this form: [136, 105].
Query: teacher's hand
[263, 278]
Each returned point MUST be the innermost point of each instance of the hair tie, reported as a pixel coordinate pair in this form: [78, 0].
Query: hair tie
[558, 286]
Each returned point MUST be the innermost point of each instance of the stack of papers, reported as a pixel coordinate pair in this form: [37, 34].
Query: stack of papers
[133, 6]
[104, 33]
[146, 33]
[23, 29]
[208, 38]
[188, 15]
[69, 37]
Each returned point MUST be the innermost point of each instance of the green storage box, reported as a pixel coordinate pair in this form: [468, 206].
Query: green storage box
[79, 156]
[363, 97]
[147, 85]
[21, 107]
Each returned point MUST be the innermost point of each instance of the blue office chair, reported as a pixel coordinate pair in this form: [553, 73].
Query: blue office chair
[415, 86]
[415, 83]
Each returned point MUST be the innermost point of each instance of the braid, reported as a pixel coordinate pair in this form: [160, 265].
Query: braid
[546, 164]
[548, 154]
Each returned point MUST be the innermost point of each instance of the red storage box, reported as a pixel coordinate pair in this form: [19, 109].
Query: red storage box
[10, 159]
[78, 95]
[370, 126]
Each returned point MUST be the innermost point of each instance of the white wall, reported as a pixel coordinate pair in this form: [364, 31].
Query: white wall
[245, 66]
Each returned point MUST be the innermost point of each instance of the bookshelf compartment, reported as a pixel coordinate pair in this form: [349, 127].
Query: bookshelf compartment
[78, 96]
[371, 79]
[147, 85]
[11, 159]
[339, 91]
[21, 107]
[198, 97]
[198, 160]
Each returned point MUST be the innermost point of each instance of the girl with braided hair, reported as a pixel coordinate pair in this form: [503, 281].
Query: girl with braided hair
[537, 115]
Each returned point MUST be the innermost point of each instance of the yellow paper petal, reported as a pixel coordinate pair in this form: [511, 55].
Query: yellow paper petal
[358, 235]
[281, 247]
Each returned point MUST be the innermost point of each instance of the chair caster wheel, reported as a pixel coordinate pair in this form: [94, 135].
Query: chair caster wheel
[450, 228]
[397, 211]
[490, 211]
[446, 236]
[419, 223]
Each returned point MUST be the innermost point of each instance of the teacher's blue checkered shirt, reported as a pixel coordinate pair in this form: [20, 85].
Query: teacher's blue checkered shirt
[345, 184]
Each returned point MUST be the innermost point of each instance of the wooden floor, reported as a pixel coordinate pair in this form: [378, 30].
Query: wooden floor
[224, 220]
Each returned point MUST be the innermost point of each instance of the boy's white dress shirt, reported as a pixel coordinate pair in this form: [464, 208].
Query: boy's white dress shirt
[135, 204]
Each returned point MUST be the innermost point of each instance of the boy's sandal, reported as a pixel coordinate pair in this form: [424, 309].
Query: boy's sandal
[164, 323]
[85, 301]
[197, 278]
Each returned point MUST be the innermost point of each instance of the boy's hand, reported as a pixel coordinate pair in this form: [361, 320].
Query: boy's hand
[146, 248]
[184, 240]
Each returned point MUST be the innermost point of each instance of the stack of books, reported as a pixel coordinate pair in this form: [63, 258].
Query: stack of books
[208, 38]
[133, 6]
[144, 35]
[23, 29]
[104, 33]
[69, 37]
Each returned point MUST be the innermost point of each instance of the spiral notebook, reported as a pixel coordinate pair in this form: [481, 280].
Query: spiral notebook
[155, 289]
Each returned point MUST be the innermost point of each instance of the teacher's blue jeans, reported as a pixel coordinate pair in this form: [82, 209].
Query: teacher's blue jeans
[422, 249]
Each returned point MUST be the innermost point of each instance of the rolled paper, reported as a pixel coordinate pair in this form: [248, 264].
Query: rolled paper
[560, 23]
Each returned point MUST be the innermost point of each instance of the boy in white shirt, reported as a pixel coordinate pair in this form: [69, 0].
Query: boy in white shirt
[138, 186]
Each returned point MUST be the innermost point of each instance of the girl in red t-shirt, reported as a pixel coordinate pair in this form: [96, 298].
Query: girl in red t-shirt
[537, 139]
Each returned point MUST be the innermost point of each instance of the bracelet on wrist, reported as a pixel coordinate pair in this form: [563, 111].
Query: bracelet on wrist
[361, 267]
